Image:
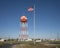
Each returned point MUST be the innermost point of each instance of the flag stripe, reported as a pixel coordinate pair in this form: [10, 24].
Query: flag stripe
[30, 9]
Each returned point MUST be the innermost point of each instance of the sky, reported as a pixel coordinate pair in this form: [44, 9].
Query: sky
[47, 18]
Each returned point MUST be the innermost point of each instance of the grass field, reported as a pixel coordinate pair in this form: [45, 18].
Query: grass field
[23, 44]
[37, 45]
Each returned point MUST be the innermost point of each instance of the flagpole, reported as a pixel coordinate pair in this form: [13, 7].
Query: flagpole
[34, 23]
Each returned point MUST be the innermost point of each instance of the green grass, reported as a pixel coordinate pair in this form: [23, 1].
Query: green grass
[28, 44]
[1, 43]
[8, 42]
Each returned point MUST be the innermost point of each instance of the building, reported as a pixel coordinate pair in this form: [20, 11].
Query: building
[2, 40]
[28, 40]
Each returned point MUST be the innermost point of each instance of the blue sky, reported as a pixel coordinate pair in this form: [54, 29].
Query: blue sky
[47, 18]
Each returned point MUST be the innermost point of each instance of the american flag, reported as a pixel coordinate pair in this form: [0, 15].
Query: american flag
[30, 9]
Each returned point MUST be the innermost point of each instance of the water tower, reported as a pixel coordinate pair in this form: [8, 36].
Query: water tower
[23, 28]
